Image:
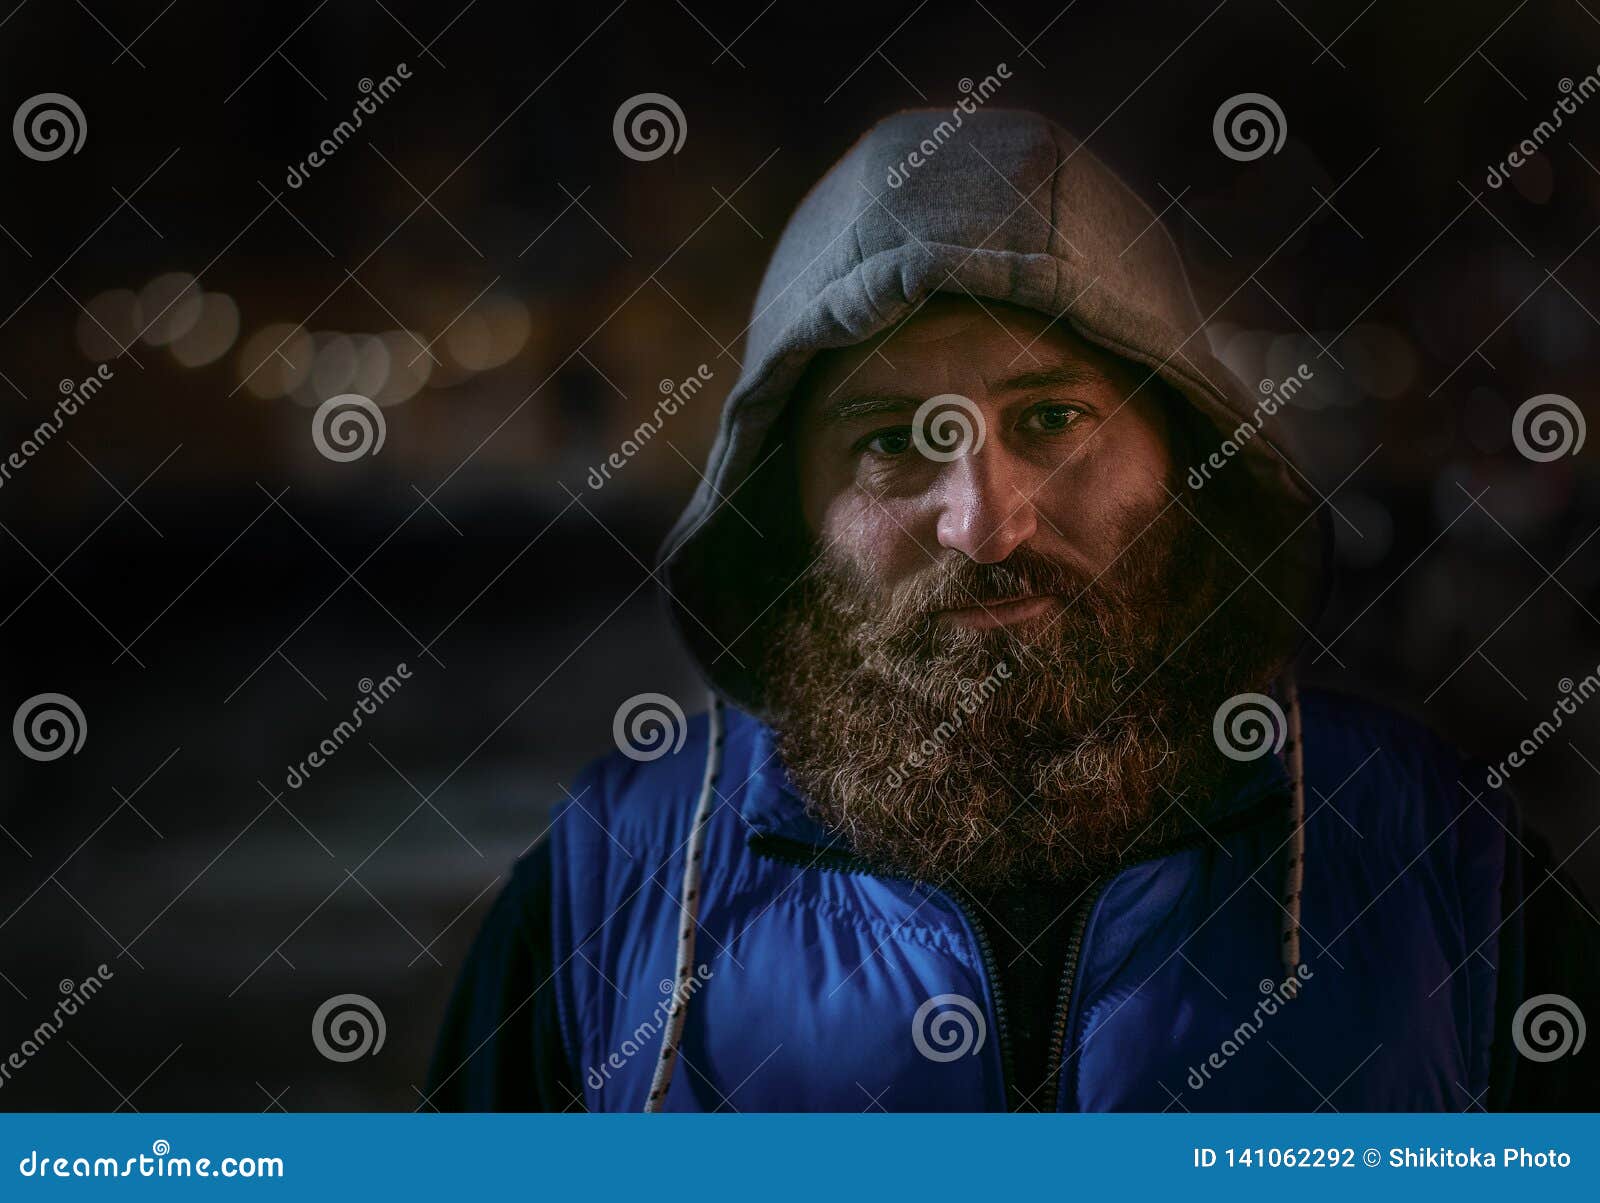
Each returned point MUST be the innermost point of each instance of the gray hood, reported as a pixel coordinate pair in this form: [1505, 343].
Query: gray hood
[1005, 206]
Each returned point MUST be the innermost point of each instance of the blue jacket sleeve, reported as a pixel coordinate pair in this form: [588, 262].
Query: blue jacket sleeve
[500, 1048]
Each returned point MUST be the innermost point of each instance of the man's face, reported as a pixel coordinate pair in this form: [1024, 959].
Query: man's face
[999, 659]
[1069, 450]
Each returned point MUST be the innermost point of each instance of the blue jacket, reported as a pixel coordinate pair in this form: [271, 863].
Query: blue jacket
[823, 984]
[817, 973]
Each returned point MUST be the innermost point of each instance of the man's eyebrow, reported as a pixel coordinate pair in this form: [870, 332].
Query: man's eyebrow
[1064, 374]
[870, 405]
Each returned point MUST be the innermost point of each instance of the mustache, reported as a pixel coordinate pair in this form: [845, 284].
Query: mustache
[959, 582]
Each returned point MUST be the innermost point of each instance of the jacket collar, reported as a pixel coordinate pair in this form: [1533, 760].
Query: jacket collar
[771, 806]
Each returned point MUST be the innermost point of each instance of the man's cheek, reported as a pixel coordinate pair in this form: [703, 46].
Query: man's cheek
[1121, 498]
[868, 531]
[1092, 534]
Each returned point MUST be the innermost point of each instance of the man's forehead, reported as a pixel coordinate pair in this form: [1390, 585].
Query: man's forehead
[939, 320]
[1007, 347]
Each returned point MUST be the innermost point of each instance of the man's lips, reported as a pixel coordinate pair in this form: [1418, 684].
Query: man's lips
[999, 613]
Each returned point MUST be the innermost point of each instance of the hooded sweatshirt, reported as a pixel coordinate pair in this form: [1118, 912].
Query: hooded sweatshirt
[790, 972]
[998, 205]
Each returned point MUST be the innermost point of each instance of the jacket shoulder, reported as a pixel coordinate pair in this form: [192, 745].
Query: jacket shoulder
[1388, 771]
[1342, 716]
[643, 795]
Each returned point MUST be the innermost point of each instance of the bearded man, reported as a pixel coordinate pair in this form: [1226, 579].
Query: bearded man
[1005, 798]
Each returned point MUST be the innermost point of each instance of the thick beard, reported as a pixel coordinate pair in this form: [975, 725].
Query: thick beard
[1032, 752]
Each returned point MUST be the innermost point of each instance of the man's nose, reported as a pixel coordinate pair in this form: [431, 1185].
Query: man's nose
[985, 509]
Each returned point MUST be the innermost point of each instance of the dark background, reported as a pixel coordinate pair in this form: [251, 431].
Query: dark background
[209, 589]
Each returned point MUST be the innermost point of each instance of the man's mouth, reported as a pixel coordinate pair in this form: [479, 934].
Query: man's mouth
[999, 613]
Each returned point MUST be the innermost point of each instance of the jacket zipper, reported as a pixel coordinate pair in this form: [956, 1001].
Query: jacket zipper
[991, 970]
[778, 849]
[1080, 924]
[1069, 974]
[806, 856]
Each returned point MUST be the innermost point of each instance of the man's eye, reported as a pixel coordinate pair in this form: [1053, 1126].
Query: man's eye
[1053, 417]
[888, 442]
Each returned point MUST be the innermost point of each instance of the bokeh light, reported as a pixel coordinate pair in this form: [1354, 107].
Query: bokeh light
[210, 338]
[170, 304]
[110, 322]
[275, 360]
[489, 334]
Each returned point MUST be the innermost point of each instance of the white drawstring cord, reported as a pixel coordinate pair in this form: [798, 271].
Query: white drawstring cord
[689, 904]
[1294, 873]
